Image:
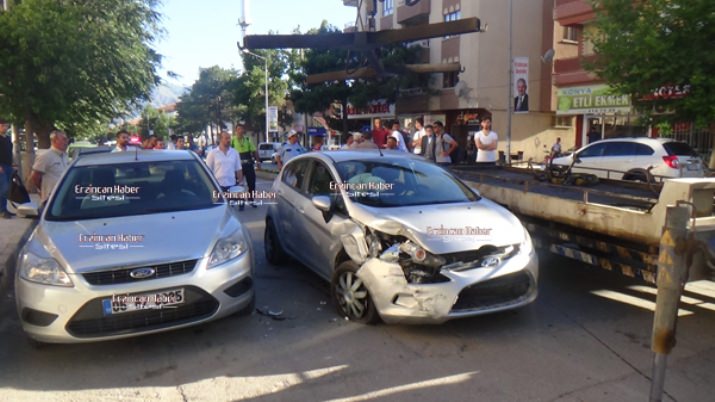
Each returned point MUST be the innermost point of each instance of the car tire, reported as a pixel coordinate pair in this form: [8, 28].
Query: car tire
[272, 246]
[351, 297]
[640, 175]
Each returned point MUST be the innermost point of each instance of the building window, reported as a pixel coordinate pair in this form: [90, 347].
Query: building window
[453, 16]
[563, 121]
[450, 80]
[571, 33]
[388, 7]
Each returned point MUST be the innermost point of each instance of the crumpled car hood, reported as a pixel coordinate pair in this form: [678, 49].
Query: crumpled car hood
[170, 236]
[446, 228]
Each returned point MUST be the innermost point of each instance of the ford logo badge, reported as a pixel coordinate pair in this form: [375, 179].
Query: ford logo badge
[141, 273]
[490, 261]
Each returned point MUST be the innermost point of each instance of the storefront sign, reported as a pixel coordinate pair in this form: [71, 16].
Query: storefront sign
[668, 92]
[594, 99]
[379, 108]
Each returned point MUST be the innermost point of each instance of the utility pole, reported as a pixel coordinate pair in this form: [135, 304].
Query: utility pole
[509, 100]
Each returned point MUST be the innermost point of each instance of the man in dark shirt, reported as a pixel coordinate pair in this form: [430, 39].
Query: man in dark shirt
[5, 167]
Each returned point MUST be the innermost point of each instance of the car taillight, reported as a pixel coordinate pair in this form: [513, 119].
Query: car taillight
[672, 161]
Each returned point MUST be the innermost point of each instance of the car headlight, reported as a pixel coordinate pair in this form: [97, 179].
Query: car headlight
[44, 270]
[228, 248]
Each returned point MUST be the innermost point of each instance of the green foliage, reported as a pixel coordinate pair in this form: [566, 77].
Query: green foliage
[644, 45]
[210, 100]
[319, 97]
[73, 63]
[156, 122]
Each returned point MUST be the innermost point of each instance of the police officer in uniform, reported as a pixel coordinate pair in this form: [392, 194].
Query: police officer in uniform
[249, 155]
[289, 150]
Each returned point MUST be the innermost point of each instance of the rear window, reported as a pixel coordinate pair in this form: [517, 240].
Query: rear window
[265, 147]
[679, 148]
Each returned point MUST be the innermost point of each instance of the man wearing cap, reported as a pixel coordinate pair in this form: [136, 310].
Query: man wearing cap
[289, 150]
[248, 153]
[5, 167]
[50, 166]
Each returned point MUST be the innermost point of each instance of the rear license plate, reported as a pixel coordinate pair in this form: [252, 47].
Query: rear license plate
[693, 166]
[119, 304]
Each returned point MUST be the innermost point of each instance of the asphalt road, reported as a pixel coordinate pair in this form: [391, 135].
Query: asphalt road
[575, 343]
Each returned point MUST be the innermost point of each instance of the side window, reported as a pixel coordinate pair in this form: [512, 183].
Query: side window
[320, 180]
[319, 184]
[295, 175]
[593, 151]
[619, 148]
[643, 149]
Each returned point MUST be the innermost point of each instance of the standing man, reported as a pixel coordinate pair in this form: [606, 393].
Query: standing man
[486, 142]
[179, 143]
[249, 155]
[289, 150]
[521, 100]
[417, 136]
[172, 142]
[5, 167]
[379, 133]
[50, 166]
[556, 149]
[428, 145]
[225, 163]
[123, 142]
[399, 138]
[444, 144]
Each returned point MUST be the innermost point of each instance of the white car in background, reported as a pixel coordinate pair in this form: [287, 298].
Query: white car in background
[635, 158]
[267, 150]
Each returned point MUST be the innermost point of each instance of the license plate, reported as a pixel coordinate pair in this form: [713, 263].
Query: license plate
[693, 166]
[119, 304]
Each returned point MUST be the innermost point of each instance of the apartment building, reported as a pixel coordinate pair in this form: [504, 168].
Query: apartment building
[482, 87]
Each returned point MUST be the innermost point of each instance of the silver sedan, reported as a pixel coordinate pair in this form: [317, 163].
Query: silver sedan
[399, 238]
[133, 243]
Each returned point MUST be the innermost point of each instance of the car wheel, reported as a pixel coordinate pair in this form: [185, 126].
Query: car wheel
[351, 296]
[272, 246]
[640, 175]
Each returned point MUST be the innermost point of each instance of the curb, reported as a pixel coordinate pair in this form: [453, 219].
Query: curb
[9, 272]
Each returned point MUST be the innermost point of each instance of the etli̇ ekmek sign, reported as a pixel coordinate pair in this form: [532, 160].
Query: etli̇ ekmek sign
[594, 99]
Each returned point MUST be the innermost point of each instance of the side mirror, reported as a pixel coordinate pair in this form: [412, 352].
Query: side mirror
[28, 209]
[323, 203]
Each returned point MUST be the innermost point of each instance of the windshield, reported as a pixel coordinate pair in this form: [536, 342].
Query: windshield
[102, 191]
[400, 182]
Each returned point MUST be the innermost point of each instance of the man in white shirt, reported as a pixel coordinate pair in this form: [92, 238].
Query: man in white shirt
[397, 135]
[50, 166]
[225, 163]
[123, 142]
[486, 142]
[417, 136]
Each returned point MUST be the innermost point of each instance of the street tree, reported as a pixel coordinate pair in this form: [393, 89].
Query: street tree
[310, 98]
[657, 51]
[156, 122]
[72, 63]
[210, 101]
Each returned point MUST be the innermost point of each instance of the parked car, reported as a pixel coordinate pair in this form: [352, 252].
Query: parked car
[133, 243]
[635, 159]
[266, 150]
[399, 238]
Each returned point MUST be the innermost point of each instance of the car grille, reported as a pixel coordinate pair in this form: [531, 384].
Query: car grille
[90, 321]
[494, 292]
[123, 275]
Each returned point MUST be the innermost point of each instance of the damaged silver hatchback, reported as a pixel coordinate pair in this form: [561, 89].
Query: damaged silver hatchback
[399, 239]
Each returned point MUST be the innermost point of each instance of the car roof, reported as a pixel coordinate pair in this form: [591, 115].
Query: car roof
[338, 156]
[113, 158]
[642, 140]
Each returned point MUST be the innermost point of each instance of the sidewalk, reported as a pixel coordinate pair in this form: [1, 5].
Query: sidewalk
[13, 232]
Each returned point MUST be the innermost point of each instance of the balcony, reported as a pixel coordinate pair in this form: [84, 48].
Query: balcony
[350, 3]
[570, 71]
[411, 15]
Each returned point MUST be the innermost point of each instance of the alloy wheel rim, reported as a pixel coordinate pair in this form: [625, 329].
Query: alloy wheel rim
[352, 295]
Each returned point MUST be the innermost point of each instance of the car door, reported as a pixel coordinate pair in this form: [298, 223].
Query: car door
[291, 193]
[319, 245]
[590, 159]
[619, 158]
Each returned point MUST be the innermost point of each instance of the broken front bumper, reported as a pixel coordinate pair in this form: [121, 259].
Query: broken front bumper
[464, 293]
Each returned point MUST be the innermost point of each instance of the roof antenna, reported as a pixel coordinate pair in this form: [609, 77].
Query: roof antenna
[136, 153]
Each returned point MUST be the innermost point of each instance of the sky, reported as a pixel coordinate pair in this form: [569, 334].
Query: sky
[204, 33]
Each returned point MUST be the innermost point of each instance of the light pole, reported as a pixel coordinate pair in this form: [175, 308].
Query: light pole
[265, 61]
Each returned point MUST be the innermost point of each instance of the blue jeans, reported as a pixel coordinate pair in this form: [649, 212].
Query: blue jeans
[4, 186]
